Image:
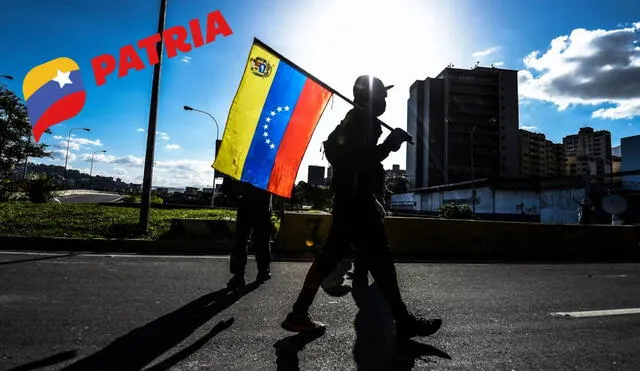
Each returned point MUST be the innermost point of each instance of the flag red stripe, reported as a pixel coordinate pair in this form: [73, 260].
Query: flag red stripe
[304, 119]
[61, 110]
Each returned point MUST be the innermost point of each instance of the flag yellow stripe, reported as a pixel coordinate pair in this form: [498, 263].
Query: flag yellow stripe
[43, 73]
[244, 115]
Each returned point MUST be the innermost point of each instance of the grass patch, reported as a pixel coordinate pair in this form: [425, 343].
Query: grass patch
[91, 221]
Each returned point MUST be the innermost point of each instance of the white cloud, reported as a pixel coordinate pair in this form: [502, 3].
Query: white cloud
[162, 135]
[186, 59]
[486, 52]
[140, 130]
[127, 160]
[58, 137]
[179, 173]
[587, 67]
[86, 142]
[529, 128]
[60, 154]
[498, 64]
[173, 146]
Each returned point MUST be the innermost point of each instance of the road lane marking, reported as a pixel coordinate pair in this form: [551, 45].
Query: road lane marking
[597, 313]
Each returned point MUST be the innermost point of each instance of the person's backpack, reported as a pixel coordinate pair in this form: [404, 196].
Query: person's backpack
[334, 147]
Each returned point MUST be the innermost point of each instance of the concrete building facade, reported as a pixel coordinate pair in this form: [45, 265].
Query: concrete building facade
[588, 152]
[540, 157]
[463, 120]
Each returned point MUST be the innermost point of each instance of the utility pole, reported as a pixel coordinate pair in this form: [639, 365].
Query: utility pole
[145, 207]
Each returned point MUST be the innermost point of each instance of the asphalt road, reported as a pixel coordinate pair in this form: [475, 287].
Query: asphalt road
[90, 198]
[97, 312]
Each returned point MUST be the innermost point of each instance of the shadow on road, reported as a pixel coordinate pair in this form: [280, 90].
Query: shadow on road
[141, 346]
[36, 259]
[49, 361]
[376, 347]
[287, 349]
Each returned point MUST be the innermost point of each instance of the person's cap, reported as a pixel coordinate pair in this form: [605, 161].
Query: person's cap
[366, 85]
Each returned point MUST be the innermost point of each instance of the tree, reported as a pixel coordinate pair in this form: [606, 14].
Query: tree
[395, 185]
[15, 134]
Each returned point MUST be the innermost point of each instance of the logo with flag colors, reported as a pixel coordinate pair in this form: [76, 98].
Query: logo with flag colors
[53, 92]
[270, 123]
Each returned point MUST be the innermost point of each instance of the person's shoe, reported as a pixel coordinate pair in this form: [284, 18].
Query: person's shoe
[236, 282]
[263, 276]
[296, 322]
[417, 326]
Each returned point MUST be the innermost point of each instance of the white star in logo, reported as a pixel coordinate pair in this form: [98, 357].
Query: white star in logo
[273, 113]
[279, 109]
[266, 127]
[286, 108]
[62, 78]
[267, 141]
[266, 134]
[268, 119]
[272, 146]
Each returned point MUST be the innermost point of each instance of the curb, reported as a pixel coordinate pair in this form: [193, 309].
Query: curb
[139, 246]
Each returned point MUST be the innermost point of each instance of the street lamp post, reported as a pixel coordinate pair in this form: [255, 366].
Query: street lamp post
[94, 153]
[66, 159]
[213, 191]
[6, 77]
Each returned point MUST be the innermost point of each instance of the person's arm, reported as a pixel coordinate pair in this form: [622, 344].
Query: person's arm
[357, 152]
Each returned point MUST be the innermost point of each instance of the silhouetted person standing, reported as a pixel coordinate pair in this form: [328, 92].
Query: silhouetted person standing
[253, 220]
[586, 211]
[358, 215]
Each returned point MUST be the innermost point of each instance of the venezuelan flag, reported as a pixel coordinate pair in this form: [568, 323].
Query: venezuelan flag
[272, 118]
[53, 92]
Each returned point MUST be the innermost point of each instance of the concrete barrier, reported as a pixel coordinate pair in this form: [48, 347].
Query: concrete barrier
[478, 240]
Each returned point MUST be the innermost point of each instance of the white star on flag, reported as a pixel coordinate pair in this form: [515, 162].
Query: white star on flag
[272, 146]
[266, 127]
[266, 134]
[62, 78]
[268, 119]
[286, 108]
[279, 109]
[267, 141]
[273, 113]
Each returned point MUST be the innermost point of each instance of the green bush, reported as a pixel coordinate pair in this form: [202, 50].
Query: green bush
[39, 188]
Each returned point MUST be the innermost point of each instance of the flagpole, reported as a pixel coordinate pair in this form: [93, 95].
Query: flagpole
[318, 81]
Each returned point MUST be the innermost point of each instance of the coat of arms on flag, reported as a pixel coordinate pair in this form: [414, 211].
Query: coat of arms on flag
[271, 120]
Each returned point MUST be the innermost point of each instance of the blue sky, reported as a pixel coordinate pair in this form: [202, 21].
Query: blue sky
[399, 41]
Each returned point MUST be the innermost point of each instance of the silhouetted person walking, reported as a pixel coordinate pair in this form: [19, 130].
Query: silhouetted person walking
[358, 215]
[253, 220]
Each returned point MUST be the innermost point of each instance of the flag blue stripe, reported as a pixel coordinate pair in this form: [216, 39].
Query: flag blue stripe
[285, 91]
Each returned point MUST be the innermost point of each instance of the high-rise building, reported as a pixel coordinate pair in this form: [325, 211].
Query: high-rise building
[315, 175]
[588, 152]
[540, 157]
[395, 172]
[458, 114]
[630, 161]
